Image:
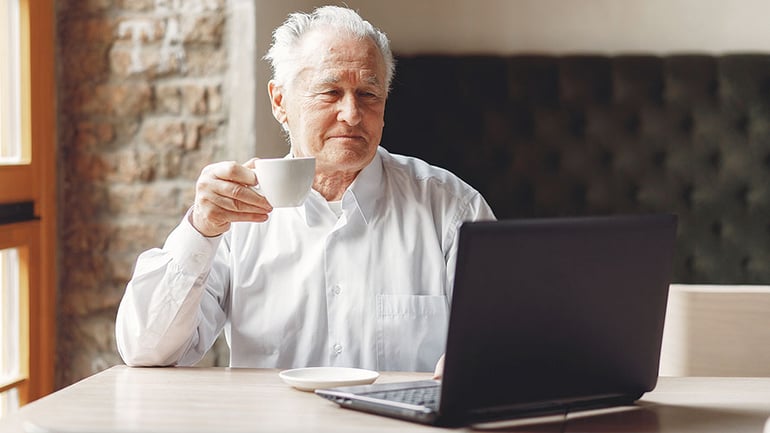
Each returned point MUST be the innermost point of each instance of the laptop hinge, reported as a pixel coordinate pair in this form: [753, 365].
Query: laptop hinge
[550, 406]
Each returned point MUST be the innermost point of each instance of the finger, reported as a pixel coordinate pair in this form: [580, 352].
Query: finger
[222, 210]
[223, 217]
[224, 203]
[232, 172]
[212, 221]
[245, 199]
[232, 196]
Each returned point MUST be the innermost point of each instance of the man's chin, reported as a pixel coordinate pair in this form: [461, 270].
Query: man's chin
[345, 159]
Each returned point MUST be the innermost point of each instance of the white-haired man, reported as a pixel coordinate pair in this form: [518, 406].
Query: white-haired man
[359, 276]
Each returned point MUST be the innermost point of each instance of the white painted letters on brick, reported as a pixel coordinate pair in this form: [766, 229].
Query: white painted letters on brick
[172, 51]
[137, 29]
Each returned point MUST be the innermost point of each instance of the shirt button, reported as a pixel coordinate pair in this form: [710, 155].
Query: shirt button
[337, 289]
[337, 348]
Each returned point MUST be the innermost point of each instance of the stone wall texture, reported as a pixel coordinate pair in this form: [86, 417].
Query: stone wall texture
[141, 110]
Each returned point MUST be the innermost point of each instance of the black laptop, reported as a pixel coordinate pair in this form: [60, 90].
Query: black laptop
[548, 316]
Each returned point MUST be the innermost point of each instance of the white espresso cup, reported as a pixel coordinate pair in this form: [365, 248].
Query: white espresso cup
[285, 182]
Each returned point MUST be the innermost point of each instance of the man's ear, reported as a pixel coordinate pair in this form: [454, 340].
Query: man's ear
[276, 101]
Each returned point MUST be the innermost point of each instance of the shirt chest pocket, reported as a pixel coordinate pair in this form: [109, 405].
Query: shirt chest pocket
[411, 331]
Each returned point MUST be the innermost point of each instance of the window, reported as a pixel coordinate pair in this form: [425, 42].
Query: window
[10, 106]
[10, 329]
[27, 199]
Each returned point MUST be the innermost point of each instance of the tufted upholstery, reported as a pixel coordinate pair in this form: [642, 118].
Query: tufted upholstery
[586, 135]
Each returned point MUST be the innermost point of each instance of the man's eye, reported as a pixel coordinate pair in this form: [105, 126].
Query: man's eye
[369, 95]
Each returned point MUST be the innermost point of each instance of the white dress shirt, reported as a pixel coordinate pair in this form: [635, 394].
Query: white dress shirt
[370, 288]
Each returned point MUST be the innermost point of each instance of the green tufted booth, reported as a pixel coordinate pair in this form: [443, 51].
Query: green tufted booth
[588, 135]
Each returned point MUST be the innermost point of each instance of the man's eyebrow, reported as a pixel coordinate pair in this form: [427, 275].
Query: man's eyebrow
[331, 79]
[372, 80]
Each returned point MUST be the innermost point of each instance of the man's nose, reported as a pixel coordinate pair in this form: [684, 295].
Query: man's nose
[349, 111]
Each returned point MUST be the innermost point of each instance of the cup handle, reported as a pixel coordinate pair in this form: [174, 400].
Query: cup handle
[258, 189]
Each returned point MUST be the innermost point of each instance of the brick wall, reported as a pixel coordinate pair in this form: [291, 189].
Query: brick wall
[141, 110]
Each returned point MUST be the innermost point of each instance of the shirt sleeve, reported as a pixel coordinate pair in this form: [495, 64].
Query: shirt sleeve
[173, 307]
[474, 209]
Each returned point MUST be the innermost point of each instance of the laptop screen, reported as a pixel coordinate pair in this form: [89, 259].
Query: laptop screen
[563, 308]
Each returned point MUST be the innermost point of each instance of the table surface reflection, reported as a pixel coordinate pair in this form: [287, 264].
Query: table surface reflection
[124, 399]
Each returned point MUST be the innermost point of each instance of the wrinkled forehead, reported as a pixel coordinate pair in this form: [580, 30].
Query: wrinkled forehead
[328, 52]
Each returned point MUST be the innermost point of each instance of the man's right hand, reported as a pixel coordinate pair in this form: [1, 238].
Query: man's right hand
[223, 195]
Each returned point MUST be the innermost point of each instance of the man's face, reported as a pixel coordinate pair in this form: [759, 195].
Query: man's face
[335, 106]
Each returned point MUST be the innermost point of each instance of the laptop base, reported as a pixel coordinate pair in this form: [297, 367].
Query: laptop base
[355, 397]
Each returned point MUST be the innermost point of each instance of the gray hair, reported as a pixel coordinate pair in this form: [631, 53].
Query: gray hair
[287, 36]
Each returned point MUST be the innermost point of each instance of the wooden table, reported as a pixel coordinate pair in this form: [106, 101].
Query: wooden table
[221, 400]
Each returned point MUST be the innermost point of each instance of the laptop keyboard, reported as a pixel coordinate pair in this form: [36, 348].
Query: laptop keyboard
[423, 396]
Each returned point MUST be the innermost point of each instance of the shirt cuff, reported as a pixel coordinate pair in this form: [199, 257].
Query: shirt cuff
[192, 251]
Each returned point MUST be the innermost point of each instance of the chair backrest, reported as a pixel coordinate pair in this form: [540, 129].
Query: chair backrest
[715, 330]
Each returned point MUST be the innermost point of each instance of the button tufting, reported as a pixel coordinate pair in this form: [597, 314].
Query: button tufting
[687, 124]
[716, 229]
[599, 134]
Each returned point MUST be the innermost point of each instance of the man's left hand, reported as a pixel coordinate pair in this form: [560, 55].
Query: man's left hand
[438, 373]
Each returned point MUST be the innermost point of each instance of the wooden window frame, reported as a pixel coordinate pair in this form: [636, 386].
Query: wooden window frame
[34, 179]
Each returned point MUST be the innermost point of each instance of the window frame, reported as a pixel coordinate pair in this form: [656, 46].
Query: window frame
[22, 237]
[34, 179]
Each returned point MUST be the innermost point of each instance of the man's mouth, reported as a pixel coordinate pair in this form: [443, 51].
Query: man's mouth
[346, 137]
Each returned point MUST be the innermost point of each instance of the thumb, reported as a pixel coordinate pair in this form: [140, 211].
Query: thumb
[438, 373]
[250, 163]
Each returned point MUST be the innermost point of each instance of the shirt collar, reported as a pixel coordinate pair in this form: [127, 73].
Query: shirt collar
[363, 194]
[366, 190]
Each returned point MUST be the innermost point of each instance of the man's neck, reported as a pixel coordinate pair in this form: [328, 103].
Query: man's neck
[333, 185]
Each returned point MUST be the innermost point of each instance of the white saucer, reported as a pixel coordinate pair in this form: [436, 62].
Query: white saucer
[312, 378]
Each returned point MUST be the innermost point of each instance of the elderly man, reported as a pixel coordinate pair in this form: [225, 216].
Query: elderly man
[359, 276]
